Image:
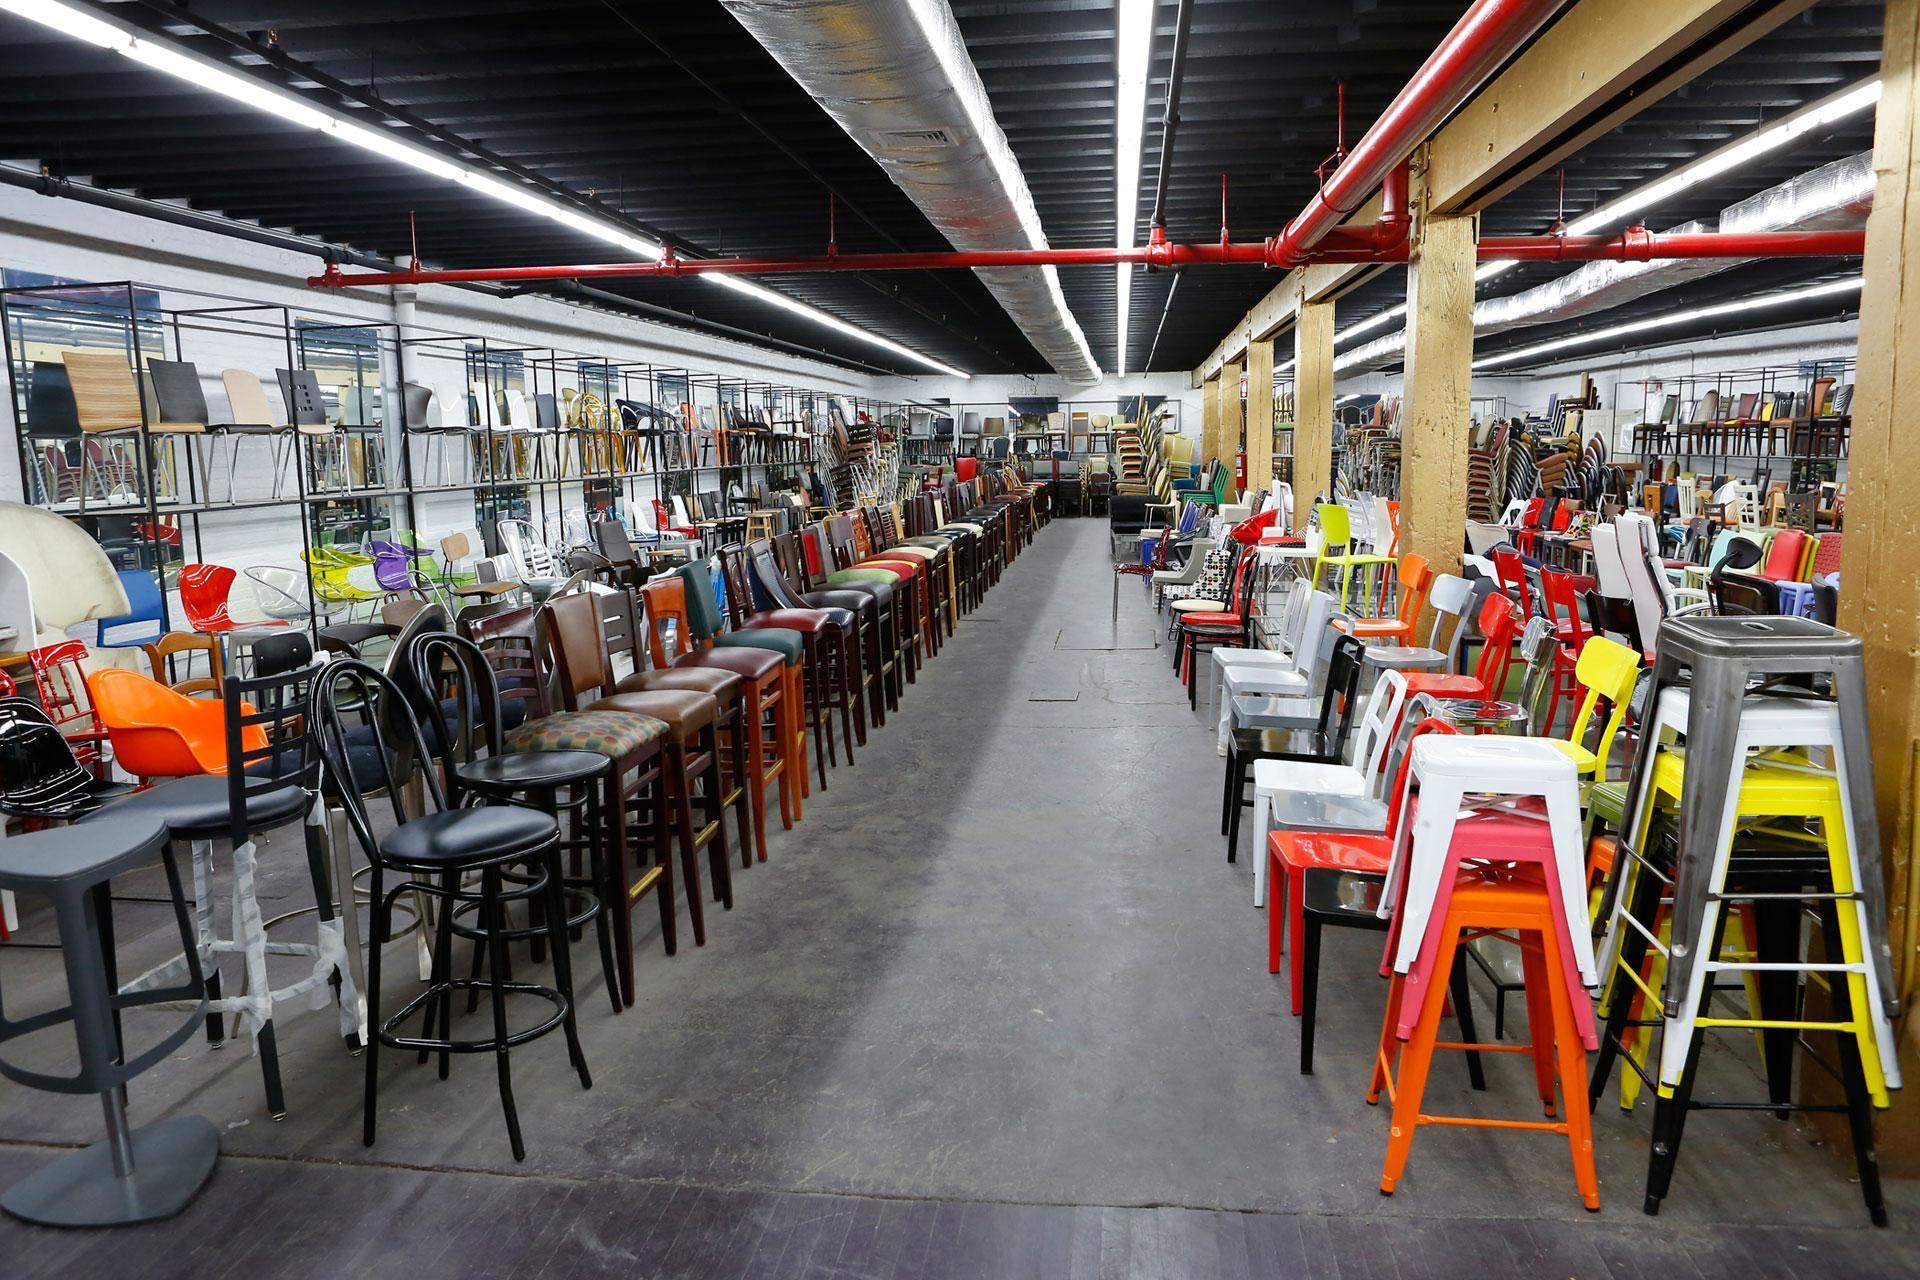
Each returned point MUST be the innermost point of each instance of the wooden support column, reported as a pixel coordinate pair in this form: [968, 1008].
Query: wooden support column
[1312, 406]
[1880, 601]
[1227, 442]
[1210, 417]
[1260, 414]
[1437, 388]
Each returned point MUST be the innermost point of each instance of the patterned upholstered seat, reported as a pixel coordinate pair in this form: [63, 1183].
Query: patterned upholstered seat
[614, 734]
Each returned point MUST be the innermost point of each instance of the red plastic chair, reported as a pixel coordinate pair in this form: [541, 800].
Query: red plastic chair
[1500, 624]
[1291, 854]
[1562, 600]
[58, 681]
[1785, 556]
[663, 521]
[205, 590]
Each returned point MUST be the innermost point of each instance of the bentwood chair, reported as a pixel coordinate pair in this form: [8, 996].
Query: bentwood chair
[451, 685]
[639, 861]
[512, 852]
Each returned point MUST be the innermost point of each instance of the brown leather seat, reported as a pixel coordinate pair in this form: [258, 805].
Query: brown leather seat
[754, 664]
[722, 686]
[685, 711]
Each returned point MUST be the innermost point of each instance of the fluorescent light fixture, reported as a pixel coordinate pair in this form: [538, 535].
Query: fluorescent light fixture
[205, 73]
[938, 28]
[1781, 133]
[70, 22]
[242, 89]
[1371, 323]
[392, 148]
[781, 300]
[1134, 60]
[1742, 306]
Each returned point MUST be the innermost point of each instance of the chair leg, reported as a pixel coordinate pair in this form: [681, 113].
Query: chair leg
[496, 929]
[1307, 946]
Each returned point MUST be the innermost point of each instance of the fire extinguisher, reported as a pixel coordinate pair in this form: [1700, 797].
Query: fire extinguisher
[1240, 469]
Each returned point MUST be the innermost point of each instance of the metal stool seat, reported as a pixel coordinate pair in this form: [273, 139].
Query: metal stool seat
[135, 1175]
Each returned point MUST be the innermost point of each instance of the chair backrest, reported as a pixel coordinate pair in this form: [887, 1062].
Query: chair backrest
[532, 559]
[105, 396]
[456, 697]
[1512, 568]
[1368, 749]
[572, 628]
[352, 699]
[143, 605]
[178, 398]
[1416, 582]
[1341, 696]
[1562, 603]
[246, 399]
[1539, 649]
[300, 391]
[1499, 624]
[1786, 557]
[1606, 670]
[51, 412]
[269, 726]
[1737, 595]
[1633, 533]
[204, 592]
[1448, 595]
[665, 598]
[1335, 527]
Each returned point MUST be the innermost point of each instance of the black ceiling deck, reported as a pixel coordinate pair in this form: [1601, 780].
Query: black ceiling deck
[673, 116]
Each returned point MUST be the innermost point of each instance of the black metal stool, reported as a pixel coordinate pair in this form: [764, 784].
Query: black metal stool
[436, 854]
[136, 1175]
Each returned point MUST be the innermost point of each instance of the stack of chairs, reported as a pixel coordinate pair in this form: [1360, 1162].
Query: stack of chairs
[1485, 470]
[1130, 455]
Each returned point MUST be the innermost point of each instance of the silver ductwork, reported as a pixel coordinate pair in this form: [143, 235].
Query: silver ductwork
[1836, 196]
[896, 75]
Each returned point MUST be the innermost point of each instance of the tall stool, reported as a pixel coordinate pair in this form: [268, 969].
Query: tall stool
[1490, 869]
[136, 1175]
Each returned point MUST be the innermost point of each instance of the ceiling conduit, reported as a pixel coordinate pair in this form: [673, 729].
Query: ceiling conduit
[1834, 197]
[897, 77]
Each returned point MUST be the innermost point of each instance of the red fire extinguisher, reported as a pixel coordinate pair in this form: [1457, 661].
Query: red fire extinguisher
[1240, 469]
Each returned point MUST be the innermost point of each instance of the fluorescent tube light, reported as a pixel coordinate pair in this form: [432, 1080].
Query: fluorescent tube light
[205, 73]
[1740, 306]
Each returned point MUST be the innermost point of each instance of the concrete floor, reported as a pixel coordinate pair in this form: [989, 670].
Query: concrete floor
[1001, 961]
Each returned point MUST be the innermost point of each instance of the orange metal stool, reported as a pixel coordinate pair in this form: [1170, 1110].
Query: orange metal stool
[1519, 908]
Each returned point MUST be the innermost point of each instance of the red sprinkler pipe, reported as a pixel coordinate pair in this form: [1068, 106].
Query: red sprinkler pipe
[1484, 38]
[1637, 244]
[1383, 243]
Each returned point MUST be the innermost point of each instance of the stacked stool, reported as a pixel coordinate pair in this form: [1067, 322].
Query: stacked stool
[1492, 849]
[1767, 790]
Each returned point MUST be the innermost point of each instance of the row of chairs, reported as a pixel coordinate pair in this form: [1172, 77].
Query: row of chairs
[569, 758]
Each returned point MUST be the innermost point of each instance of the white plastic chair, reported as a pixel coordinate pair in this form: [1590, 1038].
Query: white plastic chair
[1362, 773]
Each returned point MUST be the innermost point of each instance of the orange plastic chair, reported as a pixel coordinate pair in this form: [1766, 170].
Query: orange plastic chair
[158, 733]
[1416, 580]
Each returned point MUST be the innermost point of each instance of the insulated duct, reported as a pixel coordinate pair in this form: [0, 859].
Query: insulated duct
[1834, 197]
[896, 75]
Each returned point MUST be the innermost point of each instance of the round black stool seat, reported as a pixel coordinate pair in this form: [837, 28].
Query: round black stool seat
[532, 770]
[455, 838]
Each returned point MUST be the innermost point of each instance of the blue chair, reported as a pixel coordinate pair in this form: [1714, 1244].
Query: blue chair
[143, 605]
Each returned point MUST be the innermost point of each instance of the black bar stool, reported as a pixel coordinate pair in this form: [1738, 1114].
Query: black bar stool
[439, 854]
[136, 1175]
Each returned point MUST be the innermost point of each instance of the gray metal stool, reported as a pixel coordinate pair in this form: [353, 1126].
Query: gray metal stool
[1722, 657]
[136, 1174]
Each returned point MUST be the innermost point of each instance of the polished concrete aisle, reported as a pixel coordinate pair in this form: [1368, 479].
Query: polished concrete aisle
[997, 1007]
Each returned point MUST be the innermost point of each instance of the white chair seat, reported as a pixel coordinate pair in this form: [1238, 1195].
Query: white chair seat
[1193, 604]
